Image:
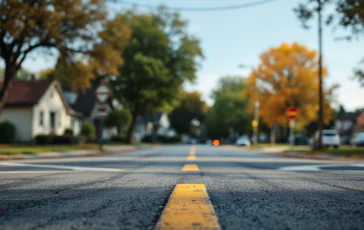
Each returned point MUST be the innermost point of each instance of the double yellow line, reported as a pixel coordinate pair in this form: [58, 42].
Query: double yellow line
[191, 157]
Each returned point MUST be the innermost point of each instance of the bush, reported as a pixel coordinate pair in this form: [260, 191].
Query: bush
[162, 139]
[119, 139]
[7, 132]
[43, 139]
[68, 131]
[88, 130]
[65, 139]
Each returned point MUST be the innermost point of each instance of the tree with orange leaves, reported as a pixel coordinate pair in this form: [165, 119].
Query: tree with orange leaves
[87, 43]
[287, 76]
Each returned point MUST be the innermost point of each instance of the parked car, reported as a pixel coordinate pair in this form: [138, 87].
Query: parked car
[243, 141]
[358, 139]
[301, 140]
[330, 138]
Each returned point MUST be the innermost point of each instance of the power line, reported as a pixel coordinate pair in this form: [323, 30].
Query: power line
[221, 8]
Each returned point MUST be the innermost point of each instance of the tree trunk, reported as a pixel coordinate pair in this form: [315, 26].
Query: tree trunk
[154, 131]
[131, 129]
[272, 136]
[8, 77]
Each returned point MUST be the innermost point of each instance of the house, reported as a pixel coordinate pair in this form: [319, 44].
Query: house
[38, 107]
[346, 125]
[85, 103]
[359, 126]
[144, 126]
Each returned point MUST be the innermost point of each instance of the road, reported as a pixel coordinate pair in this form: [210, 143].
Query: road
[218, 188]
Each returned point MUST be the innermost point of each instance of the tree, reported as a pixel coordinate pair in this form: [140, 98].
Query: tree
[159, 58]
[191, 107]
[22, 74]
[119, 119]
[85, 42]
[347, 14]
[287, 76]
[229, 113]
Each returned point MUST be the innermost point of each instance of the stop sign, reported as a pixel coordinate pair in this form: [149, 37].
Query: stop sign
[292, 113]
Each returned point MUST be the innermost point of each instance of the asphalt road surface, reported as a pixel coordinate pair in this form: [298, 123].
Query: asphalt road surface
[206, 187]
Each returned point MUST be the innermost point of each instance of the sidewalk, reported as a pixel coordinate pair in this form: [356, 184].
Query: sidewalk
[77, 153]
[285, 152]
[316, 156]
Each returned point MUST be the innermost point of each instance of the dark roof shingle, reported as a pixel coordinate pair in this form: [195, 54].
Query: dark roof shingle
[26, 93]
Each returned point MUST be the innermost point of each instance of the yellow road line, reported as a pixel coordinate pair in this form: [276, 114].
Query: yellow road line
[190, 167]
[193, 150]
[189, 207]
[191, 158]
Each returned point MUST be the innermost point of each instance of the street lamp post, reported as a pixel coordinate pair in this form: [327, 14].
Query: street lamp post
[256, 106]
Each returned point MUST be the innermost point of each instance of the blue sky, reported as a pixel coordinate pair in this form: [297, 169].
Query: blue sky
[229, 38]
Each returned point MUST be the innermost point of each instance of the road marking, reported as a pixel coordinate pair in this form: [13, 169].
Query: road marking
[315, 168]
[34, 172]
[74, 168]
[192, 150]
[190, 167]
[191, 158]
[189, 207]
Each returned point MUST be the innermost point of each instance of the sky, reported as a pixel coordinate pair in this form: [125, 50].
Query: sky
[233, 37]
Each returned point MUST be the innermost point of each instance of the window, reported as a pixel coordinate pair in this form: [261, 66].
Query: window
[72, 123]
[59, 119]
[41, 118]
[52, 94]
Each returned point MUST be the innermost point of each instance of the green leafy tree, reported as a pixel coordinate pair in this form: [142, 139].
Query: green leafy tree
[191, 107]
[159, 58]
[119, 119]
[347, 14]
[229, 114]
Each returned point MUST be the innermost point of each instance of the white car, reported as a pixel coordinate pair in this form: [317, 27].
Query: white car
[330, 138]
[243, 141]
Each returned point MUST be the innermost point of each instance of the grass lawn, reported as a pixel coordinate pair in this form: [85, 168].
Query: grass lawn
[28, 149]
[342, 150]
[267, 145]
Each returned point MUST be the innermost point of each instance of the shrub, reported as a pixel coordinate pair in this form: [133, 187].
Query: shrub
[162, 139]
[7, 132]
[68, 131]
[65, 139]
[43, 139]
[118, 139]
[88, 130]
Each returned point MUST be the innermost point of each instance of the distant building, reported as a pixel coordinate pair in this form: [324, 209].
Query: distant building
[359, 126]
[38, 107]
[144, 126]
[347, 125]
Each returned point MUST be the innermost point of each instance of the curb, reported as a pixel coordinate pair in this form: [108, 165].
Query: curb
[319, 157]
[63, 155]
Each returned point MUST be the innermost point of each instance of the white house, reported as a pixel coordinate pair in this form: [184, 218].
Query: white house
[38, 107]
[144, 126]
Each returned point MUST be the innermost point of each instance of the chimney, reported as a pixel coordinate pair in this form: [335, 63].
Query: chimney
[32, 77]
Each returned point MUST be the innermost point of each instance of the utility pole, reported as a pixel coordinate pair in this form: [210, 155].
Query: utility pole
[321, 100]
[256, 113]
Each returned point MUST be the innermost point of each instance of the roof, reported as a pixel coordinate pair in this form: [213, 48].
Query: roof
[85, 101]
[350, 116]
[26, 93]
[149, 118]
